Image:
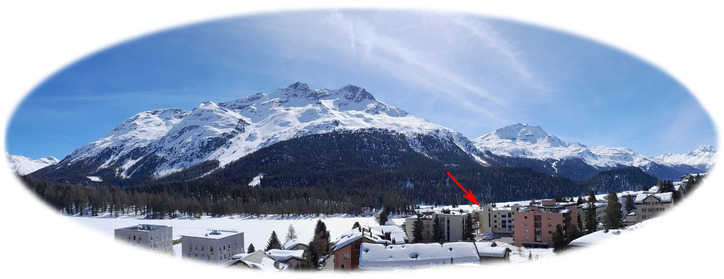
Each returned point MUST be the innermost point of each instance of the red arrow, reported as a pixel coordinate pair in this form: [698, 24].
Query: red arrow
[468, 194]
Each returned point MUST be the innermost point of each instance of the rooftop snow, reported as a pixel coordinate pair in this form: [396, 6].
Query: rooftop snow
[378, 256]
[285, 255]
[213, 234]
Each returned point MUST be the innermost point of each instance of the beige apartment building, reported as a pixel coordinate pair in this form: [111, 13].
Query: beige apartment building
[497, 220]
[651, 205]
[452, 227]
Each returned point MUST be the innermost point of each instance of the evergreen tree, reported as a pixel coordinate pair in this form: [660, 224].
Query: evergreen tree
[580, 223]
[630, 203]
[273, 242]
[383, 217]
[613, 219]
[572, 232]
[591, 218]
[437, 231]
[357, 226]
[417, 230]
[319, 246]
[250, 249]
[291, 233]
[580, 200]
[468, 233]
[591, 196]
[559, 240]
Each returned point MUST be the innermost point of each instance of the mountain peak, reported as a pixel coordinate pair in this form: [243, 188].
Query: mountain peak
[299, 86]
[356, 93]
[523, 132]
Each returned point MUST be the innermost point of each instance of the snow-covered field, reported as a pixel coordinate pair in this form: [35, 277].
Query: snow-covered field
[256, 230]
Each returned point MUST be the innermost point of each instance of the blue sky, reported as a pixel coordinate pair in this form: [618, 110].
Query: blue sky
[466, 72]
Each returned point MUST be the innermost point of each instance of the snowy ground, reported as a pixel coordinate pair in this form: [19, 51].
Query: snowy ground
[256, 230]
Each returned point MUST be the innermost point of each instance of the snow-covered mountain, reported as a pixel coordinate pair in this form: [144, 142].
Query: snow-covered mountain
[23, 165]
[162, 142]
[529, 141]
[702, 158]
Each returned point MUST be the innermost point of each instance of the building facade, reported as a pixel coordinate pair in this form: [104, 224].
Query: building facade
[497, 220]
[535, 224]
[156, 237]
[451, 227]
[213, 246]
[651, 205]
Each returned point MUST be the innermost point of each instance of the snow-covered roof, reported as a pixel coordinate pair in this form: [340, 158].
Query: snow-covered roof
[213, 234]
[397, 235]
[654, 189]
[259, 259]
[486, 250]
[662, 197]
[352, 236]
[285, 255]
[378, 256]
[289, 244]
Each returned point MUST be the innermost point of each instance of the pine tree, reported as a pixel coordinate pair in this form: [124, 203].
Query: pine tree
[383, 217]
[580, 200]
[572, 232]
[591, 196]
[559, 240]
[417, 230]
[250, 249]
[319, 246]
[630, 203]
[591, 218]
[357, 226]
[580, 222]
[613, 218]
[437, 231]
[273, 242]
[291, 234]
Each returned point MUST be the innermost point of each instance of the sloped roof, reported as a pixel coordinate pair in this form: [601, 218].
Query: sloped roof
[662, 197]
[285, 255]
[289, 244]
[352, 236]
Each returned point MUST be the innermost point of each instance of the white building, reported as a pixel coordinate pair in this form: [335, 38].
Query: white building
[156, 237]
[213, 245]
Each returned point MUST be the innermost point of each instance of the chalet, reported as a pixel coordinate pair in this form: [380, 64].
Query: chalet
[345, 251]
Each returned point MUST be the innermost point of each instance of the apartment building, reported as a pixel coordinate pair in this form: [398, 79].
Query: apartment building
[451, 225]
[497, 220]
[212, 246]
[651, 205]
[534, 225]
[156, 237]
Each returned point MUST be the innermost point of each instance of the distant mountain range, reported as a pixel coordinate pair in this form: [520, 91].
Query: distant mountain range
[561, 158]
[23, 165]
[236, 141]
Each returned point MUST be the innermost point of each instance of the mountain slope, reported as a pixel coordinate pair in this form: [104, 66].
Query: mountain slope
[378, 160]
[22, 165]
[155, 144]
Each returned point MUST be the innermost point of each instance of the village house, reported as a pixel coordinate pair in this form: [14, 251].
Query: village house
[346, 249]
[213, 246]
[156, 237]
[294, 244]
[534, 225]
[290, 259]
